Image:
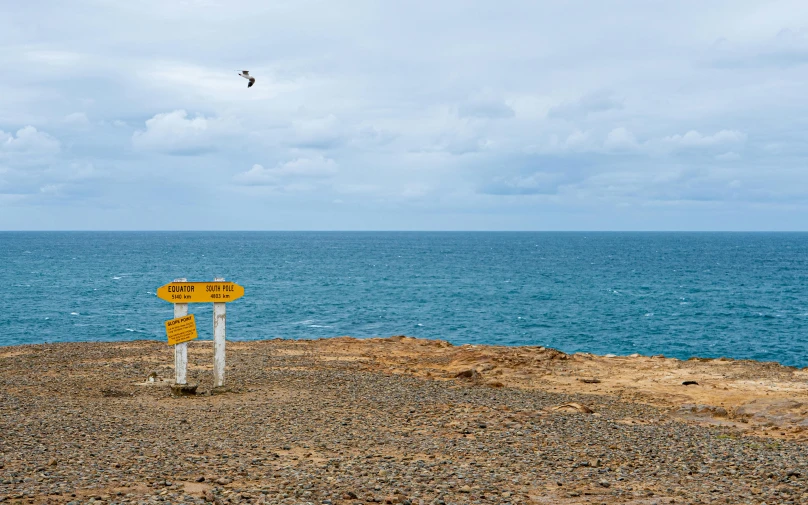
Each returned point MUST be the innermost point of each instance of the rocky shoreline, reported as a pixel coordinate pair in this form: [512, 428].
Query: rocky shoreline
[396, 420]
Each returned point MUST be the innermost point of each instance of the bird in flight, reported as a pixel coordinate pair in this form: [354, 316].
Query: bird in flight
[246, 74]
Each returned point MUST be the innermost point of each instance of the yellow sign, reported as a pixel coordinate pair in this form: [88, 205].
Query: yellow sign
[181, 329]
[200, 292]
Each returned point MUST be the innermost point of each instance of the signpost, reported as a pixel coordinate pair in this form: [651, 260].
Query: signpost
[218, 339]
[182, 328]
[181, 349]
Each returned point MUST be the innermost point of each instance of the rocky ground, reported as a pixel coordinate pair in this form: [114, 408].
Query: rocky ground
[398, 420]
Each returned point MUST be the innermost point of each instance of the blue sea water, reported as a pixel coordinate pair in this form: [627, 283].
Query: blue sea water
[740, 295]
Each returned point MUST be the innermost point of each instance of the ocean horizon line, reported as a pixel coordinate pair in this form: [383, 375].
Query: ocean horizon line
[409, 231]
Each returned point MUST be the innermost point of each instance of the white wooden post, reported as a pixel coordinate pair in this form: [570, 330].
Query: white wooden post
[180, 350]
[218, 340]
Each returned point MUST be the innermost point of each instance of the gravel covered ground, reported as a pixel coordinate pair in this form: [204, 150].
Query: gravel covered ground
[78, 424]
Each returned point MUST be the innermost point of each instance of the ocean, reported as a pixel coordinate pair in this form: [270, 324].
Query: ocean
[738, 295]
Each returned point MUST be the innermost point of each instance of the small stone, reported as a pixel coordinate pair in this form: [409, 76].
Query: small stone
[200, 479]
[465, 489]
[209, 496]
[605, 483]
[350, 495]
[223, 481]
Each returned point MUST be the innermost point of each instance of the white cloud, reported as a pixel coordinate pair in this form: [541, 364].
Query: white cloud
[728, 156]
[695, 139]
[317, 133]
[576, 139]
[77, 119]
[288, 172]
[54, 57]
[485, 109]
[28, 140]
[538, 183]
[370, 136]
[51, 177]
[176, 133]
[75, 171]
[787, 48]
[591, 103]
[415, 190]
[53, 189]
[620, 139]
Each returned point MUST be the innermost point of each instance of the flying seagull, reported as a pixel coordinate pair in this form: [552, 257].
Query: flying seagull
[246, 74]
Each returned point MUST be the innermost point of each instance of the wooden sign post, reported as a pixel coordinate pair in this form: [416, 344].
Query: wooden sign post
[218, 340]
[181, 349]
[181, 293]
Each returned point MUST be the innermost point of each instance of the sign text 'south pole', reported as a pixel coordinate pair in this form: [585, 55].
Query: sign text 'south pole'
[180, 350]
[218, 340]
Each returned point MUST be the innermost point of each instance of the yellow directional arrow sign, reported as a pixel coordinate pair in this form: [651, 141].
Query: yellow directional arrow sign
[200, 292]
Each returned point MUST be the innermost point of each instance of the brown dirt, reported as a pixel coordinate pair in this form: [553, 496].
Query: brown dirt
[396, 420]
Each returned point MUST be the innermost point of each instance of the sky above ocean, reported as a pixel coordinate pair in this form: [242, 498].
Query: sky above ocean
[512, 115]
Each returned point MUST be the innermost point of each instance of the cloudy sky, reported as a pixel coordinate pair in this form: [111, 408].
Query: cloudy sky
[417, 115]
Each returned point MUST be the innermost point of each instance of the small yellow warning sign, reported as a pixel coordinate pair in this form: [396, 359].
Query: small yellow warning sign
[182, 329]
